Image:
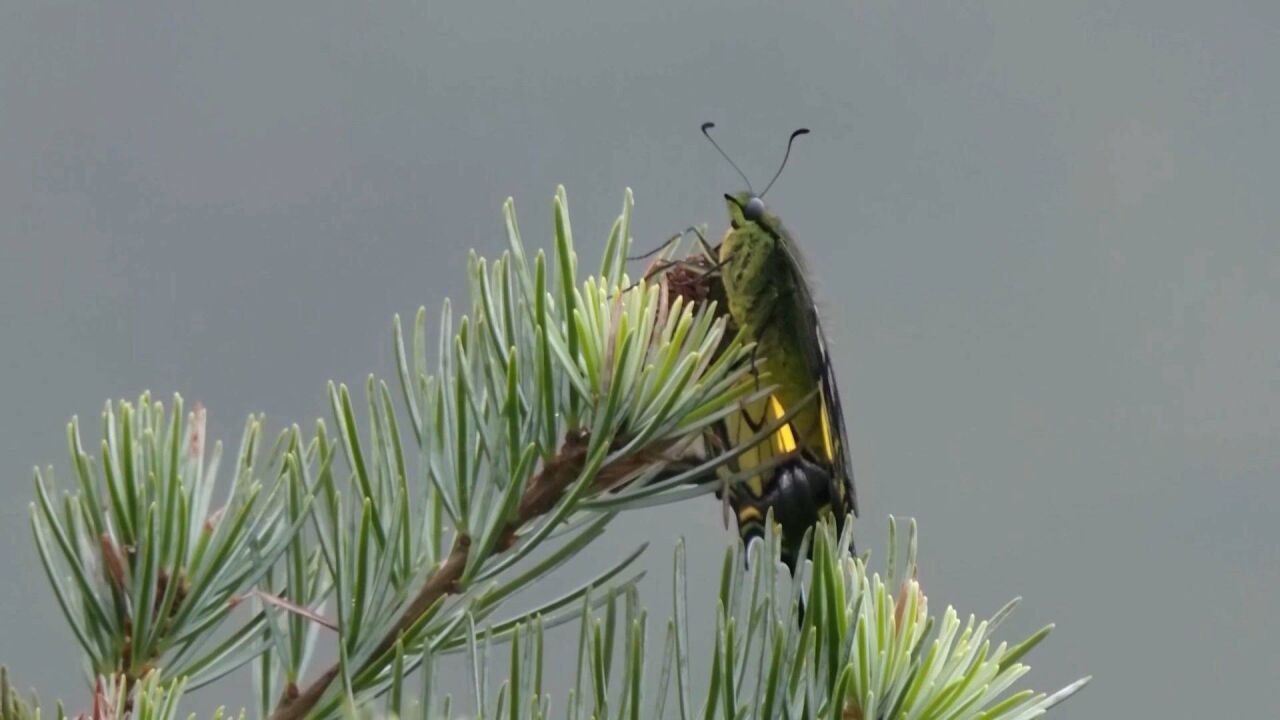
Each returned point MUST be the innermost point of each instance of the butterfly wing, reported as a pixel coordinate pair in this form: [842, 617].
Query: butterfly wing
[817, 358]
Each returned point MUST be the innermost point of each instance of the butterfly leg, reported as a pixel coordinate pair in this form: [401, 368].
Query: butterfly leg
[707, 248]
[665, 245]
[755, 425]
[755, 369]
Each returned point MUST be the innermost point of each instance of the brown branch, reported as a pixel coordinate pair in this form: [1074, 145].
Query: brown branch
[543, 492]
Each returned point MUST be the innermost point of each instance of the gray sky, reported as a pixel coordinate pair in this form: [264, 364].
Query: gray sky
[1043, 235]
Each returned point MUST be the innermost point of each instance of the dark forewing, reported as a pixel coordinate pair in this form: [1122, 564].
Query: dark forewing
[835, 415]
[818, 360]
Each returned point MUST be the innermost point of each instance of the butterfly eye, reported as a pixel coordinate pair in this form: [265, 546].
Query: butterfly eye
[754, 210]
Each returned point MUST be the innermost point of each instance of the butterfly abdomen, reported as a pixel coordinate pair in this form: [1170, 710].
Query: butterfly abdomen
[799, 494]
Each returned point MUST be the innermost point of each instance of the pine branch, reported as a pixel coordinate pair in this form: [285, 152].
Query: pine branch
[147, 575]
[867, 648]
[400, 528]
[616, 380]
[543, 493]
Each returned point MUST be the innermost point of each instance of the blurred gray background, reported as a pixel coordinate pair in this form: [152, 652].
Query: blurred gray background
[1043, 235]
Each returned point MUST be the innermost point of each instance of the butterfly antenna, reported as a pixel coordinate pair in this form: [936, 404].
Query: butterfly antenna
[707, 126]
[794, 135]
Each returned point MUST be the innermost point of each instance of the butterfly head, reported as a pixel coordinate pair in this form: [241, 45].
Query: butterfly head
[748, 208]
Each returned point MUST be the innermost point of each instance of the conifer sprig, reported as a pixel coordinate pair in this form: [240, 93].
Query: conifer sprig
[145, 560]
[403, 527]
[867, 647]
[550, 395]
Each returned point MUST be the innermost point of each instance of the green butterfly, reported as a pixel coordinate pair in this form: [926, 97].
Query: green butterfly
[805, 472]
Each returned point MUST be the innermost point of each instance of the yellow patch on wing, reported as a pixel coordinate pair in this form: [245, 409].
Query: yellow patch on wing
[783, 439]
[827, 444]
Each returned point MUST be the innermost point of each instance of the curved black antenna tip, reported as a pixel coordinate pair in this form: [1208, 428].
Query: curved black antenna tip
[707, 126]
[787, 154]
